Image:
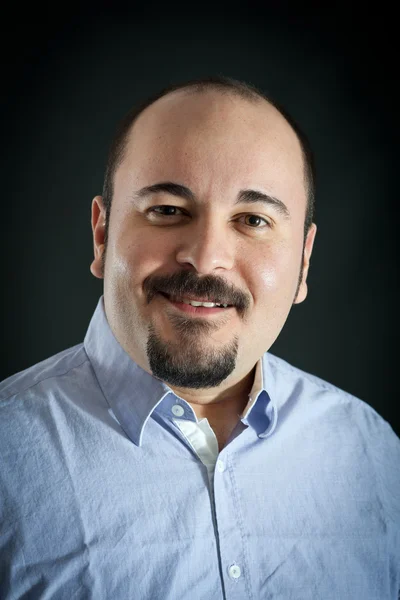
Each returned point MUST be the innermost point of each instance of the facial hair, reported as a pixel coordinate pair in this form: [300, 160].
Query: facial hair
[190, 363]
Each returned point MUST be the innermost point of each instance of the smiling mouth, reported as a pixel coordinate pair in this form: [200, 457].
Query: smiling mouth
[198, 306]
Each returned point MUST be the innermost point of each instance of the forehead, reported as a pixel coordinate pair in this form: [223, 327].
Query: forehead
[215, 143]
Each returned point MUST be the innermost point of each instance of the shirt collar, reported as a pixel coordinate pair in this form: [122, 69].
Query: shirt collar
[133, 394]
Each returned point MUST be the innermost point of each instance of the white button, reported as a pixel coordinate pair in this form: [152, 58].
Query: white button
[220, 466]
[178, 410]
[234, 571]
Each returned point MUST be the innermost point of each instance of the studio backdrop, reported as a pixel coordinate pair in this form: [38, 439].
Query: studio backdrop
[69, 81]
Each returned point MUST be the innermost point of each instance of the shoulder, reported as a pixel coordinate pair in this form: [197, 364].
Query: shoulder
[42, 409]
[345, 422]
[294, 382]
[43, 375]
[283, 370]
[333, 408]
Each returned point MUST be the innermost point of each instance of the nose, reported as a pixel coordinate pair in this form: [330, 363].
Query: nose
[206, 246]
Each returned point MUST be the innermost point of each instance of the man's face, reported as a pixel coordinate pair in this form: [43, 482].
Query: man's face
[201, 237]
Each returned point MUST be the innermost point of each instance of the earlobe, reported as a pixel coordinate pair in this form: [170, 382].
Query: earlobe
[302, 293]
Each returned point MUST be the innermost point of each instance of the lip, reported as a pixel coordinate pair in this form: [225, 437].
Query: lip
[196, 310]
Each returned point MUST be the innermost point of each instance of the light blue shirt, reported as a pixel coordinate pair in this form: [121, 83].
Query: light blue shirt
[102, 495]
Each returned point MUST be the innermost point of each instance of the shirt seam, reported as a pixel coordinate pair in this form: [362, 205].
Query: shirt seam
[314, 379]
[17, 393]
[342, 396]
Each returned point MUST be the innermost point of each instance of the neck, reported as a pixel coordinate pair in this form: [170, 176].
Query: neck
[223, 405]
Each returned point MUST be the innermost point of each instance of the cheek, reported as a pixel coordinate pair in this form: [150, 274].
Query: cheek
[267, 277]
[275, 273]
[137, 254]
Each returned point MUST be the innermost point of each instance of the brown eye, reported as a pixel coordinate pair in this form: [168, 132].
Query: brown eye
[255, 221]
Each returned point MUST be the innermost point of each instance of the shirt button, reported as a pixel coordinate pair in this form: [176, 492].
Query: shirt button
[220, 466]
[178, 410]
[234, 571]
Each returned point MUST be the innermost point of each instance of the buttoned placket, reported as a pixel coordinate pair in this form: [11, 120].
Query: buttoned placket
[223, 492]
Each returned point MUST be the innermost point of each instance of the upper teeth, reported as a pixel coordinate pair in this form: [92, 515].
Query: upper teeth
[206, 304]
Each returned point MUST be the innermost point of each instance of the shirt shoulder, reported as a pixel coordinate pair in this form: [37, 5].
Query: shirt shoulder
[314, 388]
[336, 413]
[284, 370]
[50, 370]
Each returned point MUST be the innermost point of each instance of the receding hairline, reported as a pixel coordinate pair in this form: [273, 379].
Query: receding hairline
[198, 89]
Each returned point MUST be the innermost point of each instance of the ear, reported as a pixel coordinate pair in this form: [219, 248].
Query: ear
[98, 229]
[302, 293]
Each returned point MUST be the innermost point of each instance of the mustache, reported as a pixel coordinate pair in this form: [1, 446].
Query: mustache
[186, 283]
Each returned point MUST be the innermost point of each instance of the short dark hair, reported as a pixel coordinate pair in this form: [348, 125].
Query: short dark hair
[224, 85]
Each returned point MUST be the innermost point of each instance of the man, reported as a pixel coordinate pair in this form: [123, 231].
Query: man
[170, 456]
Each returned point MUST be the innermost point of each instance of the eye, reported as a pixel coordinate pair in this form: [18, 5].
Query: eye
[165, 210]
[254, 221]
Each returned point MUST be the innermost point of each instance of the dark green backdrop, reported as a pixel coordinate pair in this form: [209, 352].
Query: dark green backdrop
[68, 78]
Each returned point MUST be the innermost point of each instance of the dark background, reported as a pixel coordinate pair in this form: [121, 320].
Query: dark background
[68, 77]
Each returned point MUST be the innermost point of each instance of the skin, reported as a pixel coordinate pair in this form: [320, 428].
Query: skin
[216, 145]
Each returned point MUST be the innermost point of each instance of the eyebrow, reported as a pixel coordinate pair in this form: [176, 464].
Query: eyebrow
[244, 196]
